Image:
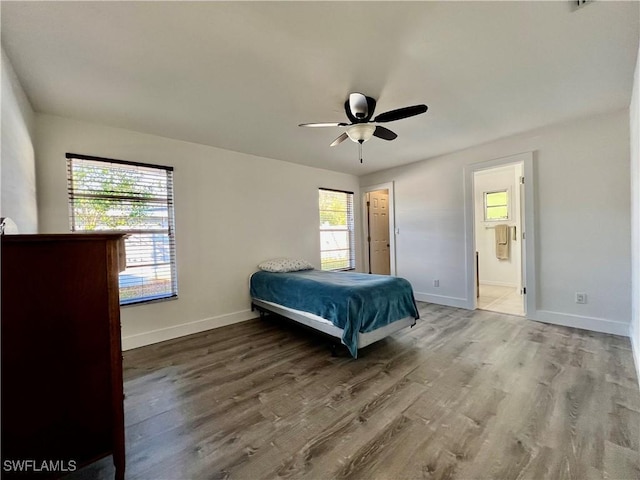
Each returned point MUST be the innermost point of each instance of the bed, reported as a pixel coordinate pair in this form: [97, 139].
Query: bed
[359, 309]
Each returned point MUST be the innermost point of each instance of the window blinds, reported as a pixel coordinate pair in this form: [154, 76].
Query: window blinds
[337, 238]
[107, 194]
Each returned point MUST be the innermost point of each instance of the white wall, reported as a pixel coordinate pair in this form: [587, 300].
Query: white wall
[232, 211]
[634, 123]
[17, 166]
[582, 227]
[493, 271]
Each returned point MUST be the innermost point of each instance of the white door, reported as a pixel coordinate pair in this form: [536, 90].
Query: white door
[379, 232]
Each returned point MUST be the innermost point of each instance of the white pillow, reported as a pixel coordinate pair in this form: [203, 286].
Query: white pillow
[285, 265]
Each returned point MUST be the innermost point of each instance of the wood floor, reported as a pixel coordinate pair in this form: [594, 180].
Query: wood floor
[462, 395]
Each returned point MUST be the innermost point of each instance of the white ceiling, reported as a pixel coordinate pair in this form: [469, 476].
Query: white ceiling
[243, 75]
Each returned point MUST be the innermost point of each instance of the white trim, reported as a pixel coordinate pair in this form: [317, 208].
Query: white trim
[528, 222]
[169, 333]
[392, 224]
[594, 324]
[457, 302]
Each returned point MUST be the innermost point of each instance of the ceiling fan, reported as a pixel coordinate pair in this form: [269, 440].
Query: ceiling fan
[359, 109]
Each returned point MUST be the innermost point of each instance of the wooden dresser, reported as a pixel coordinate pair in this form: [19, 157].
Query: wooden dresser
[62, 394]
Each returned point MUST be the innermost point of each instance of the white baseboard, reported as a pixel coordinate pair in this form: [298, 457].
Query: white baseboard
[176, 331]
[586, 323]
[565, 319]
[442, 300]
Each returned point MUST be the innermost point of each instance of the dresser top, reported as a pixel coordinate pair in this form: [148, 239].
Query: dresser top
[56, 237]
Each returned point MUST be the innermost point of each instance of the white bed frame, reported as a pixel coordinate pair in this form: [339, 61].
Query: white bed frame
[325, 326]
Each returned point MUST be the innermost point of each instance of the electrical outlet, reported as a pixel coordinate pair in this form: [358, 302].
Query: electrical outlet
[436, 283]
[581, 297]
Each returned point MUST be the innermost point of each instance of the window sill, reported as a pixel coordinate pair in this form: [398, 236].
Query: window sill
[148, 301]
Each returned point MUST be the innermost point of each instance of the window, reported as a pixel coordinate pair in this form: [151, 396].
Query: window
[129, 197]
[496, 205]
[337, 239]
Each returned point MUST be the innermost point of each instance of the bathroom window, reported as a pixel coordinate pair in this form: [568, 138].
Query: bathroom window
[496, 205]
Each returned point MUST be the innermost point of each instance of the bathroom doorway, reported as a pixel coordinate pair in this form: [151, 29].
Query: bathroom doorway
[498, 219]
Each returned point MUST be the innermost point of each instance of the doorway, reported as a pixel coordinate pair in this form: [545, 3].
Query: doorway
[498, 240]
[379, 237]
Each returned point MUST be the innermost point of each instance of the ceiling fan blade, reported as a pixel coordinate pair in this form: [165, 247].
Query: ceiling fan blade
[340, 139]
[400, 113]
[335, 124]
[384, 133]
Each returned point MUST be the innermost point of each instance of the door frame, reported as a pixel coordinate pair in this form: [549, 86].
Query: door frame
[528, 264]
[392, 225]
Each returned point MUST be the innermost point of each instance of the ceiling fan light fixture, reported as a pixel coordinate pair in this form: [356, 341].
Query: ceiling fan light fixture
[361, 132]
[358, 105]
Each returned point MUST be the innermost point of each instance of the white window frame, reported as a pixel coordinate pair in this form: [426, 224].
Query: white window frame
[508, 205]
[350, 228]
[136, 236]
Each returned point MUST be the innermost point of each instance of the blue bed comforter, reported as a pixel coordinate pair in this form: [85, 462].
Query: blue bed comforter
[354, 302]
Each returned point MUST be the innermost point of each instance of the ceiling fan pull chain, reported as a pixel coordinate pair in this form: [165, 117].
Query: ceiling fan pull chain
[360, 150]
